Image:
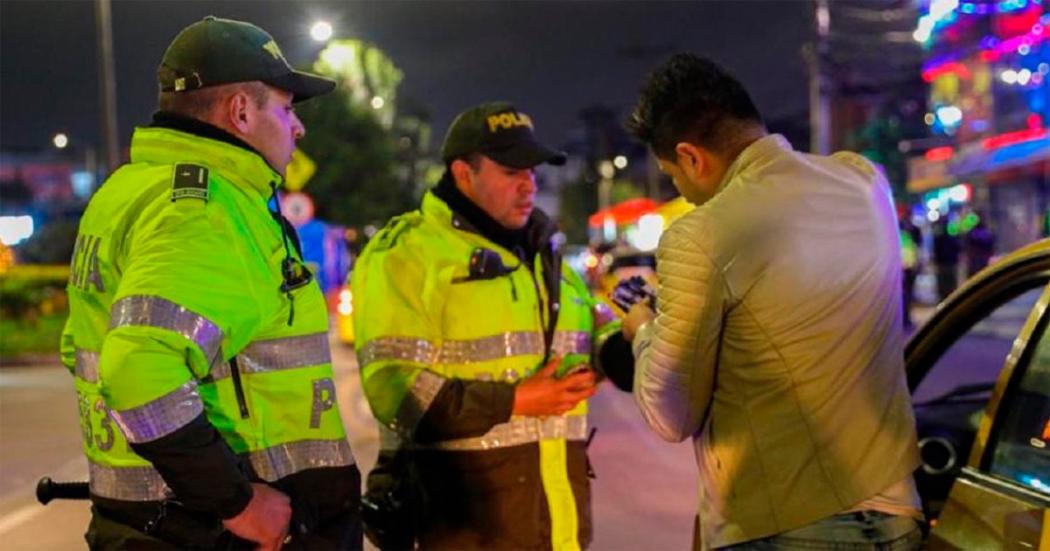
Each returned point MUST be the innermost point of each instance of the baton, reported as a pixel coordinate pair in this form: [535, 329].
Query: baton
[47, 490]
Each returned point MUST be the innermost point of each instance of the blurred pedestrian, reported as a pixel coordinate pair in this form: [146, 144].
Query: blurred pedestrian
[197, 337]
[475, 343]
[980, 246]
[777, 343]
[910, 239]
[945, 259]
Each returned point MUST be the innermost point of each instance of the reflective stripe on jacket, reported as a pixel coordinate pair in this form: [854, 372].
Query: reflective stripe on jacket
[422, 323]
[164, 292]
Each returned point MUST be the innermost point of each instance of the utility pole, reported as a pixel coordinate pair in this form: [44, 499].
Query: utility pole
[107, 85]
[819, 83]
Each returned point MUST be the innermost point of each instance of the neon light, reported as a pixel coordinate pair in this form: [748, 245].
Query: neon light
[951, 67]
[940, 154]
[1010, 5]
[1034, 121]
[1011, 138]
[991, 50]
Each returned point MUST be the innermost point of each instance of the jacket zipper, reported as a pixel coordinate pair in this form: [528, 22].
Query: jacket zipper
[238, 389]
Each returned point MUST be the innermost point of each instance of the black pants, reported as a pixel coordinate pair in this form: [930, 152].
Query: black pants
[104, 532]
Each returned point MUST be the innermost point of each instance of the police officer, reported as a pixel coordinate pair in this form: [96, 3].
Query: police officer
[197, 338]
[476, 344]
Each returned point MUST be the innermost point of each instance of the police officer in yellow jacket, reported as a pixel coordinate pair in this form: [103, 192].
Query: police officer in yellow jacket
[197, 338]
[476, 345]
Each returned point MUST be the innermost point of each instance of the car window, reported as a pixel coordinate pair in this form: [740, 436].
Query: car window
[1020, 450]
[970, 366]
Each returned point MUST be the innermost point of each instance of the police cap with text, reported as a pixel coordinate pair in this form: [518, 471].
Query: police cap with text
[500, 132]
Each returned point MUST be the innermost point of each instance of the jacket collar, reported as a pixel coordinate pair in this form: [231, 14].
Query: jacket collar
[450, 206]
[236, 162]
[762, 148]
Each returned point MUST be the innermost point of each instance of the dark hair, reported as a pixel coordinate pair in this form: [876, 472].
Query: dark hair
[691, 98]
[472, 159]
[198, 103]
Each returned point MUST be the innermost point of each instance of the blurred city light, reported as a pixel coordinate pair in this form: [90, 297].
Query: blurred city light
[620, 162]
[959, 193]
[346, 302]
[321, 31]
[647, 236]
[13, 229]
[949, 115]
[607, 169]
[60, 140]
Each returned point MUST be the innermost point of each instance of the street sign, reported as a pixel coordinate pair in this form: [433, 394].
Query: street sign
[299, 171]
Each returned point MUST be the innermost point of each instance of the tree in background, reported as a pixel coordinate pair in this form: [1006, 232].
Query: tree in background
[354, 137]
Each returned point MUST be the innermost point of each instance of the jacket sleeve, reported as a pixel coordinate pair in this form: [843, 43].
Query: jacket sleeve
[611, 353]
[397, 337]
[676, 353]
[181, 301]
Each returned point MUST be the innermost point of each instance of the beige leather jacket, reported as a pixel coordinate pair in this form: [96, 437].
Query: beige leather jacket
[777, 344]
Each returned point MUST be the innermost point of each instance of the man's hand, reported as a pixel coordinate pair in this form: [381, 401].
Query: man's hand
[639, 314]
[265, 520]
[542, 394]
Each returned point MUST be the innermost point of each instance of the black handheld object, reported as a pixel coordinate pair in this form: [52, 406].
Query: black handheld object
[631, 291]
[47, 490]
[485, 264]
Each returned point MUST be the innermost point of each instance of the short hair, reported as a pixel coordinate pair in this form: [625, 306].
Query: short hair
[691, 98]
[472, 159]
[199, 103]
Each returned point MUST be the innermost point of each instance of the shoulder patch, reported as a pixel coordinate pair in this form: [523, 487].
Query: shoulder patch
[189, 181]
[387, 237]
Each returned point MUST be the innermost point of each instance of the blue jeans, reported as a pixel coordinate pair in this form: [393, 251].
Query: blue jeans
[846, 531]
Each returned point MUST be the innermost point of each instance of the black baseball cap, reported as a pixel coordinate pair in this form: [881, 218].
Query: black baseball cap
[500, 132]
[217, 51]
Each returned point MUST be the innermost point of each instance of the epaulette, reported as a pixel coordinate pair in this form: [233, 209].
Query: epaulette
[387, 237]
[189, 181]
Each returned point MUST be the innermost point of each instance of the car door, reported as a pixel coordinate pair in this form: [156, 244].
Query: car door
[1001, 497]
[984, 425]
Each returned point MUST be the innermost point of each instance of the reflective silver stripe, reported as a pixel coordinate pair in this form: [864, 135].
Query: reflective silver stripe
[522, 430]
[146, 484]
[127, 483]
[396, 348]
[602, 315]
[158, 312]
[87, 365]
[571, 342]
[278, 354]
[279, 461]
[505, 345]
[162, 416]
[417, 401]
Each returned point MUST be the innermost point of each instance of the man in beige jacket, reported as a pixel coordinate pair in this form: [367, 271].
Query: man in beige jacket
[777, 340]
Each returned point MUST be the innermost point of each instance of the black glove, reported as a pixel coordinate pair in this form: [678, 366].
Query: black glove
[631, 291]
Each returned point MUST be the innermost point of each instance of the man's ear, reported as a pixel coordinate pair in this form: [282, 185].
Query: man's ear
[463, 176]
[690, 159]
[237, 114]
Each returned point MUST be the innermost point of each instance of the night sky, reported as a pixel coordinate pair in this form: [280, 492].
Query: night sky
[551, 58]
